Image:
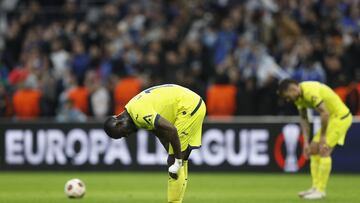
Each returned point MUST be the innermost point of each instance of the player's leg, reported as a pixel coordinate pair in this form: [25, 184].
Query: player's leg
[194, 142]
[335, 134]
[324, 169]
[314, 166]
[186, 156]
[314, 162]
[189, 126]
[325, 164]
[177, 187]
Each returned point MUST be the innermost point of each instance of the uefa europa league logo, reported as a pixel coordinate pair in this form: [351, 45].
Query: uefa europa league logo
[291, 134]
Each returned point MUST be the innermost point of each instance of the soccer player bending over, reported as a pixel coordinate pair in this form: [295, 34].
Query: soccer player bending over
[335, 122]
[175, 115]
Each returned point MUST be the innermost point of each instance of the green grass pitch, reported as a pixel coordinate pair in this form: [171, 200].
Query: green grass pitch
[120, 187]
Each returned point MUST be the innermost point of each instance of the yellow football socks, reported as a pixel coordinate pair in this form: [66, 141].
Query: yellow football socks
[185, 166]
[323, 173]
[176, 188]
[314, 169]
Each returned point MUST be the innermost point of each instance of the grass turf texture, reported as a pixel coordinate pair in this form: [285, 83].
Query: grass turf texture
[47, 187]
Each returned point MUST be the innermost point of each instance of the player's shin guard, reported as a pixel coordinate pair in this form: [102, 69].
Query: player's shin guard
[324, 173]
[176, 187]
[314, 169]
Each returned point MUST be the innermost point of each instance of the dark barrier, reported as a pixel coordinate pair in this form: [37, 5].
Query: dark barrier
[347, 157]
[225, 147]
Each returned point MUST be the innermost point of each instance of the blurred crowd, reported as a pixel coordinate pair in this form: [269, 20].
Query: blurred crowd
[74, 59]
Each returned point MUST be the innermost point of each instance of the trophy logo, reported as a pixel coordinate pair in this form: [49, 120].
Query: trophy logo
[285, 150]
[291, 134]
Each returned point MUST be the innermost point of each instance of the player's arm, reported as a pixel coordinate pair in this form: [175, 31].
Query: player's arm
[168, 131]
[324, 118]
[305, 124]
[305, 128]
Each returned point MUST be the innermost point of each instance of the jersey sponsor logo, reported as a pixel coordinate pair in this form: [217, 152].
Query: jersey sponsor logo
[148, 119]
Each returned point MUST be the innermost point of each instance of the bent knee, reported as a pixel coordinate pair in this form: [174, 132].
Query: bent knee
[314, 148]
[326, 152]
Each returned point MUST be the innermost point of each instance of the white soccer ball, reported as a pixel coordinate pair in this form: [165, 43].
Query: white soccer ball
[75, 188]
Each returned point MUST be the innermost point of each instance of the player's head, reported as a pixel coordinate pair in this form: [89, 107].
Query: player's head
[119, 126]
[289, 89]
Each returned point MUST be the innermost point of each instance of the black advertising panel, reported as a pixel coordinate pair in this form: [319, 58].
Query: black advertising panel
[85, 146]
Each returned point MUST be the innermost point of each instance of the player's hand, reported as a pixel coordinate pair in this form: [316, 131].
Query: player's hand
[323, 146]
[174, 169]
[173, 176]
[306, 150]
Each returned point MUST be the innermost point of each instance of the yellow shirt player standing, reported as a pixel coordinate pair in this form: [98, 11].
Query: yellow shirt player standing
[175, 114]
[335, 118]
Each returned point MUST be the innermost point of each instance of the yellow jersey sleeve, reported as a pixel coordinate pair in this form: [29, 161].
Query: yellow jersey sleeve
[311, 97]
[143, 115]
[312, 94]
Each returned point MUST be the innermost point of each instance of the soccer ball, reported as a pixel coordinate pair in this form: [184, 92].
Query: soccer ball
[74, 188]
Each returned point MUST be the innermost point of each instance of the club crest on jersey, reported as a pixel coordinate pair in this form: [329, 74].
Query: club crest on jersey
[148, 119]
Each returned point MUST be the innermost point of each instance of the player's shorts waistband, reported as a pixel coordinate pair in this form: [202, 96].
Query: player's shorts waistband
[196, 108]
[343, 117]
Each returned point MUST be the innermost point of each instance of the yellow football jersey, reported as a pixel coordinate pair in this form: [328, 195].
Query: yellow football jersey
[167, 100]
[314, 93]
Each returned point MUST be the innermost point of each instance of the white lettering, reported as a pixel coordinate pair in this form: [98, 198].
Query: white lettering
[143, 156]
[213, 150]
[118, 150]
[34, 158]
[239, 158]
[258, 147]
[99, 142]
[77, 136]
[14, 147]
[161, 153]
[55, 147]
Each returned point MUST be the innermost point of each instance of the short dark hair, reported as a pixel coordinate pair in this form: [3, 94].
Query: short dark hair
[284, 85]
[110, 126]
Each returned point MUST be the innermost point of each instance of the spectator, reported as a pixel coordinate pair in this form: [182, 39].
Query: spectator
[221, 98]
[5, 105]
[310, 70]
[79, 96]
[336, 75]
[226, 39]
[254, 42]
[99, 98]
[27, 100]
[81, 60]
[125, 89]
[69, 113]
[59, 58]
[350, 58]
